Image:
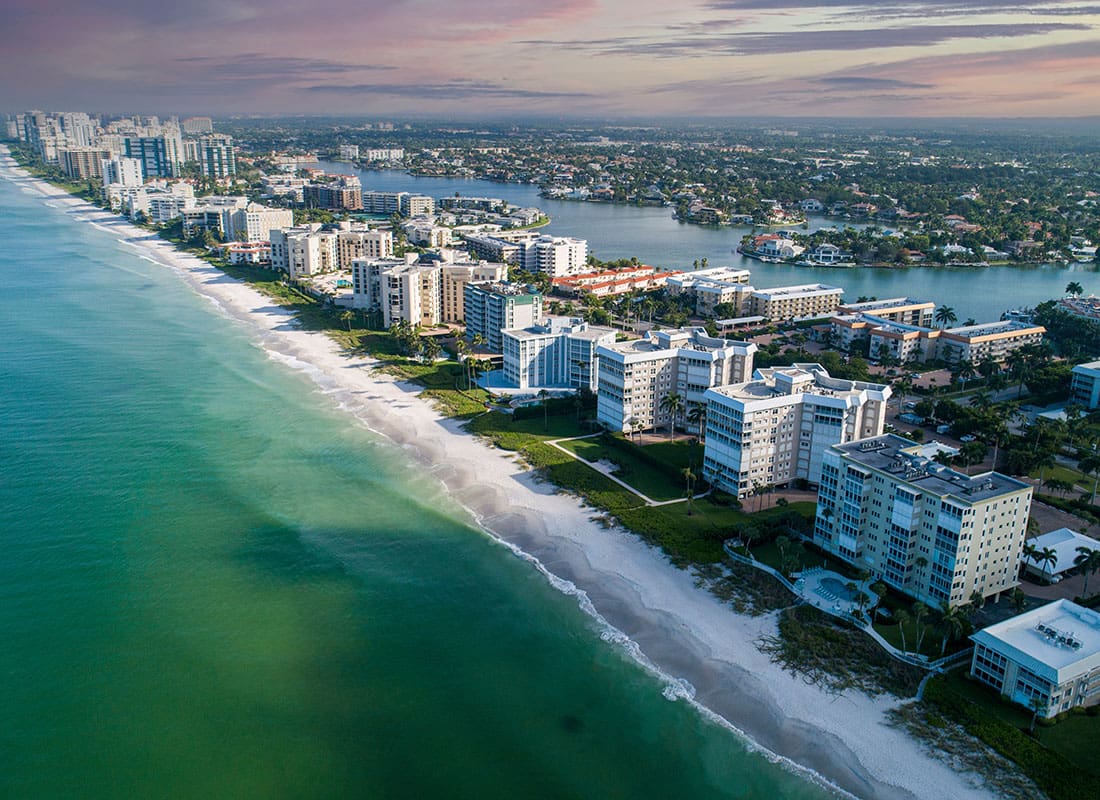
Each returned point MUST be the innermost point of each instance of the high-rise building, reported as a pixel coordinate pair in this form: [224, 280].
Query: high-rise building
[196, 126]
[559, 352]
[775, 429]
[216, 156]
[161, 155]
[635, 376]
[122, 171]
[923, 528]
[493, 307]
[82, 163]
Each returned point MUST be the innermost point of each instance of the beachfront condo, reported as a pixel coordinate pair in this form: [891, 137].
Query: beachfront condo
[775, 429]
[925, 529]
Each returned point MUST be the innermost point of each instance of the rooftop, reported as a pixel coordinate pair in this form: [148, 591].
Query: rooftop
[799, 379]
[989, 328]
[902, 458]
[1064, 542]
[1057, 641]
[887, 305]
[805, 290]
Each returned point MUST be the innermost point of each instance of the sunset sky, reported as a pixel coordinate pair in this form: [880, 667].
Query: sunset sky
[633, 58]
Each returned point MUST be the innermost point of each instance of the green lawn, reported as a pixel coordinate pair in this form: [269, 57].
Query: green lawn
[1073, 737]
[651, 481]
[1064, 473]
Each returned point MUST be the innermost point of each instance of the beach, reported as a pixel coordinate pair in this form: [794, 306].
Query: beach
[702, 648]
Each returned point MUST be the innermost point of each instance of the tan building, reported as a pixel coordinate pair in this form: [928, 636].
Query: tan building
[992, 340]
[83, 163]
[896, 309]
[453, 285]
[926, 530]
[795, 302]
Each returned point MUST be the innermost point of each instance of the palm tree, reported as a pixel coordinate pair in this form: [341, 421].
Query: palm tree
[347, 317]
[672, 404]
[1048, 556]
[952, 623]
[698, 416]
[1088, 562]
[689, 479]
[1019, 600]
[1090, 465]
[544, 396]
[1074, 289]
[920, 611]
[1030, 553]
[903, 618]
[945, 315]
[964, 371]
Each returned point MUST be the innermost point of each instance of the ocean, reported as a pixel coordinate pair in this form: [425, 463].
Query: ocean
[215, 583]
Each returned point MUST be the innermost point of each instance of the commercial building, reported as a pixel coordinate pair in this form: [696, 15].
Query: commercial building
[559, 352]
[1047, 660]
[635, 376]
[923, 528]
[494, 307]
[1084, 387]
[776, 428]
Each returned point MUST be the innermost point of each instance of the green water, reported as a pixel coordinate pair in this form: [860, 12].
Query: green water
[212, 584]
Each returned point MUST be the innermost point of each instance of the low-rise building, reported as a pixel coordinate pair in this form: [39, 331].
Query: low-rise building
[714, 287]
[1047, 660]
[1064, 545]
[607, 283]
[895, 309]
[636, 376]
[776, 428]
[931, 532]
[990, 340]
[559, 352]
[807, 301]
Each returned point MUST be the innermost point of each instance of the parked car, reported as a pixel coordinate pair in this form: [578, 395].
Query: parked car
[968, 438]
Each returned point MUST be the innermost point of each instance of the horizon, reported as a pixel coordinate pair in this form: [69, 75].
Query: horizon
[567, 59]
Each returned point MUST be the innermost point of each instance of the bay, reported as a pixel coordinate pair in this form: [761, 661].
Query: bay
[650, 233]
[213, 583]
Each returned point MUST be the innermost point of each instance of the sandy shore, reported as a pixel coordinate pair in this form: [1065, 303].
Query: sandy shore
[674, 627]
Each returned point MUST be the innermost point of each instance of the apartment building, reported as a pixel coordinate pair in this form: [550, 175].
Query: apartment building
[354, 242]
[122, 172]
[905, 310]
[348, 152]
[1046, 659]
[303, 250]
[1084, 387]
[197, 125]
[402, 203]
[493, 248]
[636, 375]
[776, 428]
[490, 308]
[990, 340]
[795, 302]
[161, 154]
[556, 256]
[255, 222]
[713, 287]
[559, 352]
[456, 276]
[213, 213]
[607, 283]
[923, 528]
[344, 194]
[82, 163]
[216, 156]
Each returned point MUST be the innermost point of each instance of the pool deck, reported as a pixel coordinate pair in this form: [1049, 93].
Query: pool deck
[822, 588]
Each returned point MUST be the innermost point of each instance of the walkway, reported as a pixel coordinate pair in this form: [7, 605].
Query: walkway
[609, 472]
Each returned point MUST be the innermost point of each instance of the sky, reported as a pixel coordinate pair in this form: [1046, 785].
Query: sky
[584, 58]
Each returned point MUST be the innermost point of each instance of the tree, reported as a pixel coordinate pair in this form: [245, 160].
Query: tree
[1030, 553]
[1038, 706]
[1087, 561]
[1019, 600]
[903, 619]
[672, 404]
[964, 371]
[346, 317]
[945, 315]
[879, 589]
[952, 624]
[689, 480]
[544, 396]
[920, 611]
[1074, 289]
[697, 416]
[1090, 465]
[1048, 556]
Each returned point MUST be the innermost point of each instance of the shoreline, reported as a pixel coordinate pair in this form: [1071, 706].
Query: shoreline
[699, 647]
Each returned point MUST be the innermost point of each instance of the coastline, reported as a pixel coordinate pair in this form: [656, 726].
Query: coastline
[649, 607]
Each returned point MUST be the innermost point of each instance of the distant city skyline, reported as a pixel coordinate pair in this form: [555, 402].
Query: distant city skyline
[722, 58]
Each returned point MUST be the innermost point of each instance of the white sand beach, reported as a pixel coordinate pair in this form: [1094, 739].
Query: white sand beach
[679, 629]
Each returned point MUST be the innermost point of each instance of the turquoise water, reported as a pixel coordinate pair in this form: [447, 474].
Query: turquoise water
[621, 231]
[213, 585]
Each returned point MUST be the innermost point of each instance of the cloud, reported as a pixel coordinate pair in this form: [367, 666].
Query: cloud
[857, 82]
[259, 65]
[450, 90]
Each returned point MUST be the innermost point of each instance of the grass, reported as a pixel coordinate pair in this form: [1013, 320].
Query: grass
[651, 481]
[1063, 473]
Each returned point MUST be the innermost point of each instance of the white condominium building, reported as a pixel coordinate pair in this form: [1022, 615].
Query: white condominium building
[776, 428]
[635, 376]
[254, 222]
[991, 340]
[795, 302]
[400, 288]
[933, 533]
[713, 287]
[302, 251]
[556, 256]
[1046, 659]
[561, 352]
[122, 171]
[1084, 387]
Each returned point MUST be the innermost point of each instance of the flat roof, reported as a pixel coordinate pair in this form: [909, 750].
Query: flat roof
[989, 328]
[807, 379]
[1057, 641]
[805, 290]
[890, 303]
[902, 458]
